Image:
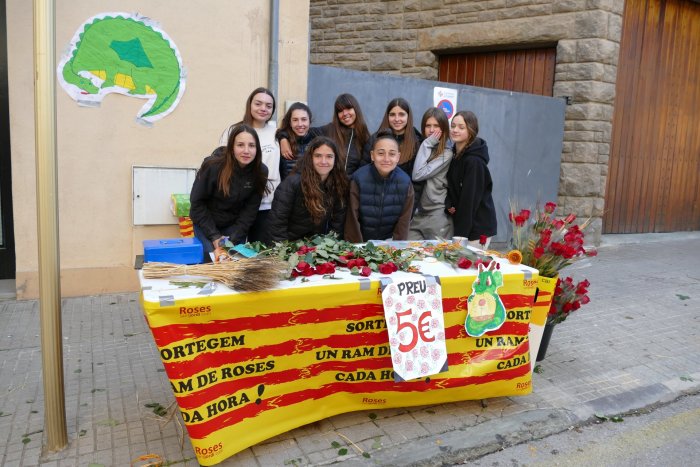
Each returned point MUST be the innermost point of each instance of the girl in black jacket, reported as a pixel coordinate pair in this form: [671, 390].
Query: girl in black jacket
[227, 191]
[296, 130]
[469, 183]
[312, 199]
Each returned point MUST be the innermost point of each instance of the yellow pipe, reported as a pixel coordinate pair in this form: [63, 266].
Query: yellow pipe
[47, 224]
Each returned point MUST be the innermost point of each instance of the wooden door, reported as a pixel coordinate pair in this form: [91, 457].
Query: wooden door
[527, 70]
[654, 168]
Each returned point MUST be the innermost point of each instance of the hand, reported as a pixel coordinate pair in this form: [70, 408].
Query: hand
[437, 133]
[217, 243]
[451, 210]
[286, 150]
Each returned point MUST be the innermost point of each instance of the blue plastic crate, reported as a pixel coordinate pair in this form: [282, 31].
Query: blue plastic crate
[173, 250]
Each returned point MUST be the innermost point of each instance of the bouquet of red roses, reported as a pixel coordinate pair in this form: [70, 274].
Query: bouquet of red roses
[546, 242]
[568, 297]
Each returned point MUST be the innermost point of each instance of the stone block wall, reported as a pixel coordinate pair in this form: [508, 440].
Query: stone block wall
[406, 37]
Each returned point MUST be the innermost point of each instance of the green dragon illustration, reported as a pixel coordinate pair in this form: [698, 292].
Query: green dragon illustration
[485, 308]
[115, 53]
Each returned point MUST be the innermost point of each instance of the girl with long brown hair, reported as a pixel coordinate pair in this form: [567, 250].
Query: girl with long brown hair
[430, 168]
[312, 199]
[469, 184]
[227, 191]
[398, 119]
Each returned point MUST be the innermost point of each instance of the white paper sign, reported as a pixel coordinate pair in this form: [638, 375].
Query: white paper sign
[413, 312]
[445, 99]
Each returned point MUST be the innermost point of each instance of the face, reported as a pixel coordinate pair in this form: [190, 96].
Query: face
[430, 126]
[324, 160]
[398, 118]
[261, 108]
[385, 156]
[300, 122]
[244, 148]
[347, 117]
[458, 130]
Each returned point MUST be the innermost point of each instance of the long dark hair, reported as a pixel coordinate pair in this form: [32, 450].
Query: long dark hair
[472, 127]
[320, 197]
[286, 124]
[229, 165]
[248, 116]
[407, 147]
[443, 123]
[340, 132]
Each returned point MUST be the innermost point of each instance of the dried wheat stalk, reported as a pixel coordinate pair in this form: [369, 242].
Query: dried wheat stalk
[246, 275]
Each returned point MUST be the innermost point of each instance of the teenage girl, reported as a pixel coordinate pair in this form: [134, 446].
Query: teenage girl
[430, 167]
[296, 131]
[228, 188]
[312, 199]
[381, 196]
[398, 118]
[469, 183]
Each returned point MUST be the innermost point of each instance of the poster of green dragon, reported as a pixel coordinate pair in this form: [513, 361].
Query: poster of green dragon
[126, 54]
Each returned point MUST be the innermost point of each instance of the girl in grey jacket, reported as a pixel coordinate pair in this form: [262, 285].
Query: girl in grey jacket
[430, 167]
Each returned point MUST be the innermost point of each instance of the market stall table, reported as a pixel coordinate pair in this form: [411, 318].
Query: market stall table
[247, 366]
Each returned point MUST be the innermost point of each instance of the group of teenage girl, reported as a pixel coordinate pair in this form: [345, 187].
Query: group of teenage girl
[272, 184]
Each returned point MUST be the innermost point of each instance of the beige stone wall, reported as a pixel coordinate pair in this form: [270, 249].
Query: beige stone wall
[406, 36]
[225, 50]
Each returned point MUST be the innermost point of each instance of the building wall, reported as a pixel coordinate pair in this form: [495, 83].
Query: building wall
[406, 36]
[225, 51]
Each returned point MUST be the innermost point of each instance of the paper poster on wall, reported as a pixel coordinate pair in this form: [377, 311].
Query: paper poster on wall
[125, 54]
[445, 99]
[413, 312]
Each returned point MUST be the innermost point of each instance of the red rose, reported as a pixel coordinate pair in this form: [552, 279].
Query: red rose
[385, 268]
[360, 262]
[557, 224]
[510, 217]
[351, 263]
[483, 239]
[538, 252]
[365, 271]
[308, 272]
[525, 213]
[464, 263]
[520, 220]
[325, 268]
[570, 218]
[585, 299]
[549, 207]
[303, 265]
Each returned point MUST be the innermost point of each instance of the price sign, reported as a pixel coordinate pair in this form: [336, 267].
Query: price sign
[413, 312]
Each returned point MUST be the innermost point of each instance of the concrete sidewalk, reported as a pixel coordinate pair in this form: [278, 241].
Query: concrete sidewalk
[636, 344]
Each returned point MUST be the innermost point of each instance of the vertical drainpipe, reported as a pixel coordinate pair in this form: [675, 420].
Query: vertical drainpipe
[47, 224]
[273, 69]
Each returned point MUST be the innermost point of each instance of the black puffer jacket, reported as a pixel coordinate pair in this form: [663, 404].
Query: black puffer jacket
[469, 187]
[290, 219]
[211, 211]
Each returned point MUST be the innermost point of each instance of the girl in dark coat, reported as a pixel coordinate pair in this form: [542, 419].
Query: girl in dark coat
[227, 191]
[312, 199]
[296, 130]
[469, 183]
